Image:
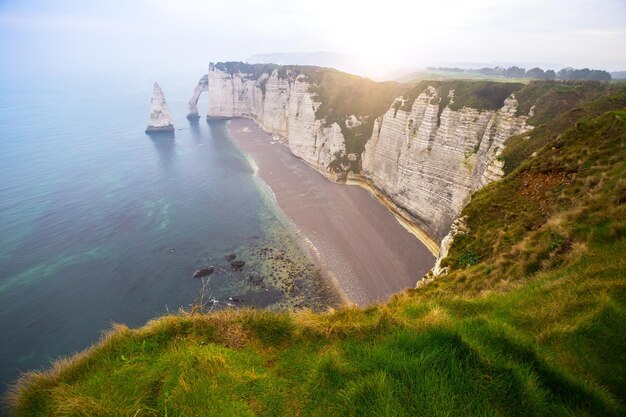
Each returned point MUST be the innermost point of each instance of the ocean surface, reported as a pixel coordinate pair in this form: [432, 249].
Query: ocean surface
[100, 223]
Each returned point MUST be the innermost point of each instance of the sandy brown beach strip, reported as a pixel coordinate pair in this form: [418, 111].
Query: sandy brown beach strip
[356, 239]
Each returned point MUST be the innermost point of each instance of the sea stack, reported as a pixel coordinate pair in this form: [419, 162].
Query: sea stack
[160, 116]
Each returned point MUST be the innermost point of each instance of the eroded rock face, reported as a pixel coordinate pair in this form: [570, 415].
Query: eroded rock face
[203, 85]
[430, 164]
[309, 139]
[280, 105]
[458, 228]
[160, 116]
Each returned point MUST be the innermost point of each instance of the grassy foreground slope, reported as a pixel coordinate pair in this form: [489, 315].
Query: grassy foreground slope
[530, 321]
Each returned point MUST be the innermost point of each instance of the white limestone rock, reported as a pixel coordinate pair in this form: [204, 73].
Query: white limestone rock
[203, 85]
[353, 121]
[280, 105]
[429, 165]
[160, 116]
[457, 228]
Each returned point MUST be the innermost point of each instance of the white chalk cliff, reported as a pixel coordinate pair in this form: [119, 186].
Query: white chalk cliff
[160, 116]
[425, 161]
[280, 105]
[429, 165]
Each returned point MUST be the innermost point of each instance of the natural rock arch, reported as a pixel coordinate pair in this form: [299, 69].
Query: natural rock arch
[203, 85]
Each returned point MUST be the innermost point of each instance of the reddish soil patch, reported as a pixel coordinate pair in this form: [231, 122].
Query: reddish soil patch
[538, 186]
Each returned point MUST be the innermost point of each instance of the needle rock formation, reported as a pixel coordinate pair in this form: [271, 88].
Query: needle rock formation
[160, 116]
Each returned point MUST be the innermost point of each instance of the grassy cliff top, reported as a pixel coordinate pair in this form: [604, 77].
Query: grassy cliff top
[556, 107]
[481, 95]
[549, 98]
[530, 321]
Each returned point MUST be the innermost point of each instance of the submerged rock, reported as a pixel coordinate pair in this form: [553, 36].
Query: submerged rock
[255, 278]
[203, 272]
[160, 116]
[237, 264]
[230, 257]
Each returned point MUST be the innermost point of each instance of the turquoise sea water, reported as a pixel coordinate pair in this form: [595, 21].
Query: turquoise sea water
[100, 223]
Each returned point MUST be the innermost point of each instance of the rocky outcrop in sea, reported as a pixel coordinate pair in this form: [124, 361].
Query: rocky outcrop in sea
[160, 116]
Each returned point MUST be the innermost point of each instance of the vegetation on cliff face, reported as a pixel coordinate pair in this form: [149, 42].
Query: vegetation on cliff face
[549, 99]
[553, 233]
[562, 105]
[255, 71]
[530, 321]
[342, 95]
[552, 207]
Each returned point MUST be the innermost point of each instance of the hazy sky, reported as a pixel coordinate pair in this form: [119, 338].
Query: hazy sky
[76, 36]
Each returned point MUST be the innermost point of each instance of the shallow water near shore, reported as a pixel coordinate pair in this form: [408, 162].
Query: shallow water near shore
[100, 223]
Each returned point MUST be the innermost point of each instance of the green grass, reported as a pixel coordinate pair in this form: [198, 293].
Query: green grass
[530, 321]
[481, 95]
[583, 100]
[555, 98]
[536, 218]
[451, 75]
